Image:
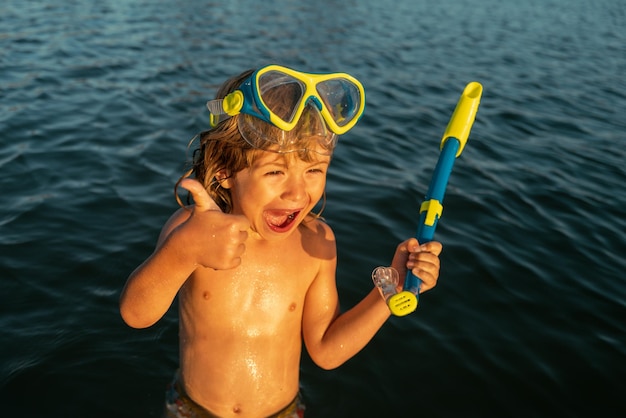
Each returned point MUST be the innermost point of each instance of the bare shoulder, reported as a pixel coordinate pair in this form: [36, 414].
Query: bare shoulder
[177, 218]
[316, 227]
[318, 238]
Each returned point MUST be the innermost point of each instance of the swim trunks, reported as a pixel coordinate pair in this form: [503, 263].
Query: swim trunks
[179, 405]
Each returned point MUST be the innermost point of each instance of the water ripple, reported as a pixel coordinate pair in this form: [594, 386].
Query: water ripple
[98, 103]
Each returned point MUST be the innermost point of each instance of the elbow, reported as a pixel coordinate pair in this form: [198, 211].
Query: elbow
[328, 361]
[329, 366]
[134, 318]
[136, 321]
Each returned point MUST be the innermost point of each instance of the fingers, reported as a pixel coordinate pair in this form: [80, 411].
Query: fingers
[200, 196]
[216, 239]
[426, 267]
[231, 258]
[433, 247]
[423, 261]
[228, 244]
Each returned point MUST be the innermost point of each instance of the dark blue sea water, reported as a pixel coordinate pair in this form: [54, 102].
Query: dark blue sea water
[99, 99]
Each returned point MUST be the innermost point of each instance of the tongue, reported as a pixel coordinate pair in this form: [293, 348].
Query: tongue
[278, 218]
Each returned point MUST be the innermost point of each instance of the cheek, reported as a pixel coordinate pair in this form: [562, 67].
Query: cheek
[318, 189]
[244, 199]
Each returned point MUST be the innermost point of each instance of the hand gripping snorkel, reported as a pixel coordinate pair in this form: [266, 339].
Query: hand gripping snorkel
[452, 144]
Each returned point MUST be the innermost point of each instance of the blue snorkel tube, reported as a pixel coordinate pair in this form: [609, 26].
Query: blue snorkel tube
[452, 144]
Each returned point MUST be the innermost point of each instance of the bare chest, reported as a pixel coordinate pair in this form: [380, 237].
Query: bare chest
[262, 296]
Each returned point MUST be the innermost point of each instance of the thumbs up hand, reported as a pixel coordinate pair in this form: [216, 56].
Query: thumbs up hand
[213, 238]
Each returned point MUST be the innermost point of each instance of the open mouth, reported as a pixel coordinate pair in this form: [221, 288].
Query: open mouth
[280, 220]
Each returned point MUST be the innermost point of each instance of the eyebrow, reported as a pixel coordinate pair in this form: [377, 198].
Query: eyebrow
[281, 161]
[276, 162]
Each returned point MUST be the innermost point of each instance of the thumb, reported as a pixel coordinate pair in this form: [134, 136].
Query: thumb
[403, 251]
[200, 195]
[412, 245]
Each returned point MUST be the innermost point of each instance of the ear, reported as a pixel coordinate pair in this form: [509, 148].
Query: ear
[224, 179]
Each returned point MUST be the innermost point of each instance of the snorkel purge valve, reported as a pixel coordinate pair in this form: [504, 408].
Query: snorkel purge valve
[452, 144]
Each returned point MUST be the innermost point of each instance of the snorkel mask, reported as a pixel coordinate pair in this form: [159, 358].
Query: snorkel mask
[282, 106]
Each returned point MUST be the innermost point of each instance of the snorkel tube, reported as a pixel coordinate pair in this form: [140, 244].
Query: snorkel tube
[452, 145]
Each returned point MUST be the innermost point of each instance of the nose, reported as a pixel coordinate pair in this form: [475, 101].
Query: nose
[295, 189]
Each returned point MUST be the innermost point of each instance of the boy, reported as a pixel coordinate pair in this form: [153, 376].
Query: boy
[254, 269]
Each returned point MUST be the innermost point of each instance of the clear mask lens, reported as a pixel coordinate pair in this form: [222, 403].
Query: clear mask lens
[341, 97]
[281, 94]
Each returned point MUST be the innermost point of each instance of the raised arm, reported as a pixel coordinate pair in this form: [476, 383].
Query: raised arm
[332, 338]
[200, 236]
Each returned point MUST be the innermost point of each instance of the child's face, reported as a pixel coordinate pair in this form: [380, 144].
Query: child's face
[278, 191]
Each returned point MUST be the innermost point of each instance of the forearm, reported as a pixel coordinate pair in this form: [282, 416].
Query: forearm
[352, 330]
[152, 287]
